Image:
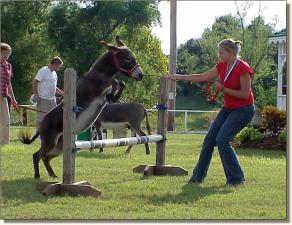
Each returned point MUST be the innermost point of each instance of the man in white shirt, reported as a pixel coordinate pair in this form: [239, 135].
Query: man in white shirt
[45, 88]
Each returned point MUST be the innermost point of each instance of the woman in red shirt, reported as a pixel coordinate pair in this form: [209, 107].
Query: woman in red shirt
[6, 92]
[238, 110]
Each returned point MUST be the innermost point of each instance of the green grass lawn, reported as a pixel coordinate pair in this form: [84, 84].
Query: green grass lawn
[127, 195]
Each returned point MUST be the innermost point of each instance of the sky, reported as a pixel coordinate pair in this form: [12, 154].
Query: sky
[195, 16]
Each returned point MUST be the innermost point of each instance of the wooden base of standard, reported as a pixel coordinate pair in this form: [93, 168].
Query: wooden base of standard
[165, 170]
[75, 189]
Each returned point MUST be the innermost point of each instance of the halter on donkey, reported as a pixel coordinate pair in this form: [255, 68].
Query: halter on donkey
[92, 91]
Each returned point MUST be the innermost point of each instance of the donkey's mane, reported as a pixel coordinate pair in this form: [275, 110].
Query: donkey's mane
[99, 59]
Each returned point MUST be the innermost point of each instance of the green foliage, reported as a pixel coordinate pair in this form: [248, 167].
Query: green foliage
[283, 135]
[265, 97]
[76, 31]
[149, 55]
[23, 29]
[256, 48]
[205, 48]
[38, 30]
[265, 87]
[199, 55]
[273, 119]
[224, 27]
[248, 134]
[186, 62]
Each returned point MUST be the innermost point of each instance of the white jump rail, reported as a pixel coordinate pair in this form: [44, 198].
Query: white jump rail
[117, 142]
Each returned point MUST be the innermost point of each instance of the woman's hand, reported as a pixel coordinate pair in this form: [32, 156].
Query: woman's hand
[15, 106]
[34, 98]
[218, 86]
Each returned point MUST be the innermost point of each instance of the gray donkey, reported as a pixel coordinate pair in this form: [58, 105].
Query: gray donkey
[123, 114]
[91, 94]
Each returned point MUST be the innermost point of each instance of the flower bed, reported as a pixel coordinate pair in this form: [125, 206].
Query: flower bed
[264, 143]
[272, 133]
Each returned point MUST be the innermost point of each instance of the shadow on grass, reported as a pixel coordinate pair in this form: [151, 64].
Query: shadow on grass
[21, 191]
[101, 155]
[265, 153]
[191, 192]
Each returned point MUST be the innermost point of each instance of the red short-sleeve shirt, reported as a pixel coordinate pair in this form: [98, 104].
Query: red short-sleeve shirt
[6, 74]
[233, 82]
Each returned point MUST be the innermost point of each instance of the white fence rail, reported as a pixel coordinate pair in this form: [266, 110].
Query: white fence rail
[185, 112]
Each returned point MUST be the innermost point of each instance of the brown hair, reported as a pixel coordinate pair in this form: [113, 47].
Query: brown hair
[56, 60]
[6, 47]
[230, 45]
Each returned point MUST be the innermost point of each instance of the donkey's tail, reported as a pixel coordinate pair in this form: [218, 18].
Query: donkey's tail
[148, 123]
[24, 137]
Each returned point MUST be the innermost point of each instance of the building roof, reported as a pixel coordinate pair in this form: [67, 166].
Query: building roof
[278, 37]
[281, 33]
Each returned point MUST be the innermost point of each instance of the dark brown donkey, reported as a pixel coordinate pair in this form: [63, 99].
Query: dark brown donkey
[91, 93]
[123, 114]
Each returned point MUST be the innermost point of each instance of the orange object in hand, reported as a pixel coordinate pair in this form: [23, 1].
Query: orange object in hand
[211, 97]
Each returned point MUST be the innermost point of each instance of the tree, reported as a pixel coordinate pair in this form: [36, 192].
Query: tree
[256, 49]
[186, 64]
[73, 30]
[202, 52]
[76, 30]
[23, 28]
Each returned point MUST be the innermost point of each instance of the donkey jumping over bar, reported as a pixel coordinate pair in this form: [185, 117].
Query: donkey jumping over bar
[91, 95]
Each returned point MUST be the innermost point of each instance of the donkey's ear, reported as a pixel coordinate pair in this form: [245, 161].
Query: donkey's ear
[119, 42]
[109, 47]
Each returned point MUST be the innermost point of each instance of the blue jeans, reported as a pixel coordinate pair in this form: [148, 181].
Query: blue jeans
[224, 128]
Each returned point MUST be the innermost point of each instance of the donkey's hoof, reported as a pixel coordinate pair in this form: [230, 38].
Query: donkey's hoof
[36, 176]
[148, 152]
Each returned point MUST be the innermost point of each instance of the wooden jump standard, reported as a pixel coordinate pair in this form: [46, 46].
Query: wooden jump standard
[68, 186]
[160, 168]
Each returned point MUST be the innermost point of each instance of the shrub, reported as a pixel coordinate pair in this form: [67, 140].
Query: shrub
[274, 119]
[283, 136]
[248, 134]
[266, 97]
[265, 86]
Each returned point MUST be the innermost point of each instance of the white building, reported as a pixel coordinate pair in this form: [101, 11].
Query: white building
[279, 39]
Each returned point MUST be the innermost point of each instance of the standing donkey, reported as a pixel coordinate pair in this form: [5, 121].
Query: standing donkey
[123, 115]
[91, 94]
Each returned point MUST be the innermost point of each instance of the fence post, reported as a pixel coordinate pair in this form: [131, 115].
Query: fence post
[186, 121]
[69, 126]
[161, 121]
[160, 168]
